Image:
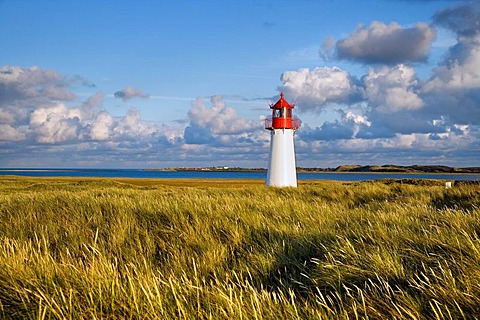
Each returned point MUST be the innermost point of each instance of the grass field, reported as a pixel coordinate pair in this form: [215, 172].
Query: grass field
[223, 249]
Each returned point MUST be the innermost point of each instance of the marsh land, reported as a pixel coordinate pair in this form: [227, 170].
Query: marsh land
[234, 249]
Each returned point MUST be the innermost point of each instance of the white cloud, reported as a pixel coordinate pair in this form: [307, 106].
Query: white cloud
[392, 89]
[54, 124]
[460, 70]
[9, 133]
[21, 85]
[312, 89]
[102, 126]
[6, 117]
[219, 119]
[357, 119]
[389, 44]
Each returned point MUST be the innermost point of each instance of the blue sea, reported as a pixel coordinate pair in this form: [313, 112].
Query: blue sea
[139, 173]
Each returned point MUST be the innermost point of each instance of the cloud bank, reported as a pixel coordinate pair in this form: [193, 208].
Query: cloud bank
[42, 123]
[41, 117]
[390, 108]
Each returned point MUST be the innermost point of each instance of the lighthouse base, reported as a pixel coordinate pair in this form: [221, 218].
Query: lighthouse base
[281, 165]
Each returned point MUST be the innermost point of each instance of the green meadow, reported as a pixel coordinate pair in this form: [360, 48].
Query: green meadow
[234, 249]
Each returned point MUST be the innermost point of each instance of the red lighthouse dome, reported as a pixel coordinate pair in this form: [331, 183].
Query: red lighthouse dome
[282, 116]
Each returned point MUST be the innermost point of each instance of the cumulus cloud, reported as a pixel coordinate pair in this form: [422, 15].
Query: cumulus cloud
[217, 134]
[387, 89]
[102, 126]
[392, 89]
[387, 44]
[460, 69]
[22, 91]
[9, 133]
[22, 86]
[55, 123]
[130, 93]
[217, 124]
[313, 89]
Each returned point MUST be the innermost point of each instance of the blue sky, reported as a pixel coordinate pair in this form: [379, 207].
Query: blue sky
[145, 84]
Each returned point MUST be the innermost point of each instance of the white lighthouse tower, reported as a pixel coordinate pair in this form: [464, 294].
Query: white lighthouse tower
[281, 165]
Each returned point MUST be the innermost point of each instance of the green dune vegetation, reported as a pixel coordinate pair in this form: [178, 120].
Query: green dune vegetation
[234, 249]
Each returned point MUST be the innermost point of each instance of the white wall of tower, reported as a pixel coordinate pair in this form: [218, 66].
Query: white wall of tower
[281, 165]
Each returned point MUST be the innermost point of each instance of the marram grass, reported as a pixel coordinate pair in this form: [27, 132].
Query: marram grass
[158, 249]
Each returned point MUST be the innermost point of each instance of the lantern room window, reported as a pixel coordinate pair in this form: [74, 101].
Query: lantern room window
[282, 113]
[288, 113]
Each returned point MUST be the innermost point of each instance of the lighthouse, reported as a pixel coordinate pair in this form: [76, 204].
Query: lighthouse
[281, 164]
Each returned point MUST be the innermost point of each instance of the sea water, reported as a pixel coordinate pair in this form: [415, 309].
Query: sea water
[140, 173]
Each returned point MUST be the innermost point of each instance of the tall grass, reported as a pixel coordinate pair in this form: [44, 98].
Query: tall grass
[108, 249]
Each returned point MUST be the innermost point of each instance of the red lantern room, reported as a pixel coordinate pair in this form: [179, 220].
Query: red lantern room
[282, 116]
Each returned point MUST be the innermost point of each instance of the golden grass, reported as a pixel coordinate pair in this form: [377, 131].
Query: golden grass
[218, 249]
[180, 182]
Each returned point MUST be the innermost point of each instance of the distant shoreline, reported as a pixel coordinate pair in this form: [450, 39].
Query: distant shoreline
[385, 169]
[414, 169]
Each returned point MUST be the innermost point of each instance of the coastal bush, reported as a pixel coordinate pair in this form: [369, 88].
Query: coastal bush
[93, 248]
